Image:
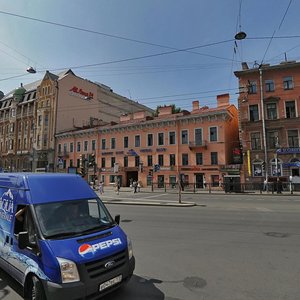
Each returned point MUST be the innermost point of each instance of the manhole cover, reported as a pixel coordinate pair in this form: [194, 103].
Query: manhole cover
[277, 234]
[194, 283]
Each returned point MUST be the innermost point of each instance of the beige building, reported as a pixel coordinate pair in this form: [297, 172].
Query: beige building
[31, 115]
[198, 145]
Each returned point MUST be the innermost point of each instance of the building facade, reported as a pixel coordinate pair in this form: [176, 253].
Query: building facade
[269, 121]
[31, 115]
[195, 146]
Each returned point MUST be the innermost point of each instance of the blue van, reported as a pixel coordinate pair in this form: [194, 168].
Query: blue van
[58, 239]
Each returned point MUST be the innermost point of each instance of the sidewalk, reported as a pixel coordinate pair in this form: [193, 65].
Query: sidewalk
[110, 197]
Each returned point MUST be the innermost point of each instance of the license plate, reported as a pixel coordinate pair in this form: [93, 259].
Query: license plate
[110, 283]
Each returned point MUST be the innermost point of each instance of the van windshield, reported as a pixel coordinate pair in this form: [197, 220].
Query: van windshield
[72, 218]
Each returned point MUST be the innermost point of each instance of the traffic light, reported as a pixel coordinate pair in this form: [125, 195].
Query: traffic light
[82, 170]
[92, 160]
[263, 166]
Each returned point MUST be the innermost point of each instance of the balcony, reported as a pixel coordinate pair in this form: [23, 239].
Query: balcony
[198, 145]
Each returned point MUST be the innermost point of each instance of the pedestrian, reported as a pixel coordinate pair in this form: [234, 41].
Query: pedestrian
[204, 182]
[134, 185]
[101, 188]
[139, 186]
[220, 182]
[266, 184]
[117, 186]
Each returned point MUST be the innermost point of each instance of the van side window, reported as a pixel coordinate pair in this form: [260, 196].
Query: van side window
[24, 222]
[19, 220]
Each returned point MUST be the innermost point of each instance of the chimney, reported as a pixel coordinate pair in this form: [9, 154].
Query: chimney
[245, 66]
[223, 100]
[139, 115]
[125, 117]
[195, 105]
[166, 110]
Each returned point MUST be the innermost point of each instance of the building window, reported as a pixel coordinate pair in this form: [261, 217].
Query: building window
[39, 120]
[290, 109]
[59, 148]
[137, 161]
[150, 139]
[272, 139]
[125, 161]
[276, 167]
[255, 141]
[272, 111]
[137, 141]
[93, 145]
[253, 109]
[172, 138]
[198, 136]
[161, 159]
[103, 144]
[71, 147]
[112, 161]
[184, 137]
[185, 159]
[252, 87]
[214, 158]
[78, 146]
[103, 162]
[71, 162]
[65, 146]
[213, 134]
[270, 86]
[172, 160]
[160, 139]
[199, 159]
[46, 120]
[126, 142]
[288, 83]
[149, 161]
[257, 169]
[85, 145]
[113, 143]
[293, 138]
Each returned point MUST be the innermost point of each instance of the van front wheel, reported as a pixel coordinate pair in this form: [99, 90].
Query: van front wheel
[36, 291]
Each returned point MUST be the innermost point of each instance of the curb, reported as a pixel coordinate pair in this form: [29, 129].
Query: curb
[170, 204]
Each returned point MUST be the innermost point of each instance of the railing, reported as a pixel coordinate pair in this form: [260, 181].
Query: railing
[197, 144]
[271, 187]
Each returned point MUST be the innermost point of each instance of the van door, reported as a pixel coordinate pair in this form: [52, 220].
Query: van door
[23, 259]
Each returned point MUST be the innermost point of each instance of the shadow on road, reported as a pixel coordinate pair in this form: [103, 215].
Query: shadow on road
[7, 284]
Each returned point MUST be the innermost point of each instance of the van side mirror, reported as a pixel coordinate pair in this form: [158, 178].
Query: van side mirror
[117, 219]
[23, 239]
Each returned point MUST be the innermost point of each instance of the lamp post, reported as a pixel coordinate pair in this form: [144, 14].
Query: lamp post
[276, 166]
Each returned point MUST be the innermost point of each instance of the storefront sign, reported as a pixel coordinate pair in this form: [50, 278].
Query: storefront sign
[288, 150]
[146, 150]
[161, 149]
[291, 164]
[77, 92]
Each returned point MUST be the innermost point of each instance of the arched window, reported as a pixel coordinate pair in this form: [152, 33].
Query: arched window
[276, 165]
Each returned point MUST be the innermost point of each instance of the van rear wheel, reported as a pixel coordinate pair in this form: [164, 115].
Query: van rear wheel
[36, 291]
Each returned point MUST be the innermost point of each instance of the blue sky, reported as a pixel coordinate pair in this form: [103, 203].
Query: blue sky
[157, 26]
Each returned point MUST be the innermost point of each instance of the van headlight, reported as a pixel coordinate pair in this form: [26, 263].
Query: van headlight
[68, 270]
[129, 247]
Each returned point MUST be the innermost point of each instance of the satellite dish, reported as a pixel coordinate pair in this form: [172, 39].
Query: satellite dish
[31, 70]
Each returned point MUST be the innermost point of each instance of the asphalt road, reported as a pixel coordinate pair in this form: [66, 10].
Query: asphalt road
[228, 248]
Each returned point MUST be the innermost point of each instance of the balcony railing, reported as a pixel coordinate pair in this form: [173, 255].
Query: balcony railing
[198, 144]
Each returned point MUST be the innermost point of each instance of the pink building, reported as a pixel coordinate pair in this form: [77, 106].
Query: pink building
[195, 146]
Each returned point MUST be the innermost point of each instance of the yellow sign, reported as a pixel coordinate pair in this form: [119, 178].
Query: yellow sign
[249, 162]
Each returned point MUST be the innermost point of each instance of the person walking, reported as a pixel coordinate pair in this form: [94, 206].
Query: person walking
[134, 185]
[101, 188]
[139, 186]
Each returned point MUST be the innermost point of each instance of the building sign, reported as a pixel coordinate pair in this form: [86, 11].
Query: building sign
[146, 150]
[107, 153]
[288, 150]
[237, 155]
[132, 152]
[161, 149]
[119, 152]
[291, 164]
[77, 92]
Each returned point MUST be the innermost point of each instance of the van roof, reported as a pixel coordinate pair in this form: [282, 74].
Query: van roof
[48, 187]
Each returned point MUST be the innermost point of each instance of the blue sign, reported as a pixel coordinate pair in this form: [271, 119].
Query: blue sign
[156, 168]
[288, 150]
[292, 164]
[132, 152]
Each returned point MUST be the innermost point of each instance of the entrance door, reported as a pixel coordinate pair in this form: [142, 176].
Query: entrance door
[131, 176]
[199, 181]
[161, 181]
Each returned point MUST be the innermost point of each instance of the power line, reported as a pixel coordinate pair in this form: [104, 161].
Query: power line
[106, 34]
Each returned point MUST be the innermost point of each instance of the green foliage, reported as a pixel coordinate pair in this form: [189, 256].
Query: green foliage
[175, 109]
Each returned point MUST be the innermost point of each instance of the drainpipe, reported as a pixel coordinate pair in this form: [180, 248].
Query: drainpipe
[263, 123]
